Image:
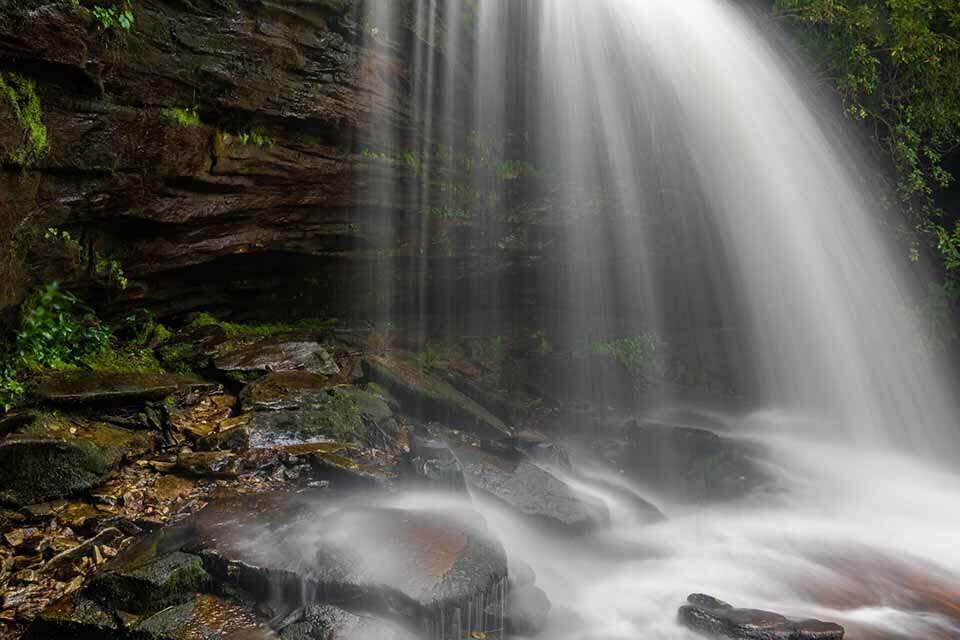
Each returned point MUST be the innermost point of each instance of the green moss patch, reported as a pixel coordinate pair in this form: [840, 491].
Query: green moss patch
[20, 95]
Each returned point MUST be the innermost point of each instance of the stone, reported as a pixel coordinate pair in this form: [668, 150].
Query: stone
[712, 617]
[689, 463]
[62, 565]
[205, 616]
[341, 414]
[141, 581]
[266, 354]
[209, 464]
[89, 388]
[429, 398]
[57, 457]
[434, 463]
[530, 490]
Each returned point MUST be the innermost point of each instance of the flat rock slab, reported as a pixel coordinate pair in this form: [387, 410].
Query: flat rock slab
[715, 618]
[54, 457]
[113, 388]
[205, 617]
[146, 583]
[285, 390]
[429, 398]
[531, 490]
[275, 353]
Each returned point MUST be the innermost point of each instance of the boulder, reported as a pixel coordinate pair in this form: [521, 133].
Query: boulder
[715, 618]
[90, 388]
[422, 569]
[75, 617]
[55, 457]
[434, 463]
[429, 398]
[261, 355]
[689, 463]
[143, 581]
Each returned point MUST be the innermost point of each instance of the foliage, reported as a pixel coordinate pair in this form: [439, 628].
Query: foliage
[641, 355]
[427, 358]
[21, 94]
[118, 17]
[57, 331]
[185, 117]
[896, 63]
[255, 137]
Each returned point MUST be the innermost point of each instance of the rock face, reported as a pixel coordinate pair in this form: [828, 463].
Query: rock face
[276, 353]
[716, 618]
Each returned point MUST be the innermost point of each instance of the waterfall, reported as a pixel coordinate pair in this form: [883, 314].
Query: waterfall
[700, 193]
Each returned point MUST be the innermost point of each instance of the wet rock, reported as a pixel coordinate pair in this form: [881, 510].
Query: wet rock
[329, 622]
[55, 457]
[285, 390]
[63, 564]
[230, 434]
[209, 464]
[142, 582]
[689, 463]
[527, 610]
[205, 616]
[275, 353]
[434, 462]
[89, 388]
[419, 567]
[716, 618]
[342, 414]
[430, 398]
[75, 617]
[530, 490]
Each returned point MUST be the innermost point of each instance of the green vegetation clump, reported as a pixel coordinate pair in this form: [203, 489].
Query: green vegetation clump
[255, 137]
[185, 117]
[896, 64]
[21, 95]
[641, 355]
[117, 17]
[57, 331]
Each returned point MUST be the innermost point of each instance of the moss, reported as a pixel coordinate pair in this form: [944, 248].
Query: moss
[125, 359]
[183, 117]
[233, 329]
[21, 94]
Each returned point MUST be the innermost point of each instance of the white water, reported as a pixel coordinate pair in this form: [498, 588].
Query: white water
[669, 108]
[838, 544]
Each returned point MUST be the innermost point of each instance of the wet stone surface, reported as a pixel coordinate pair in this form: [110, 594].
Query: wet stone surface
[715, 618]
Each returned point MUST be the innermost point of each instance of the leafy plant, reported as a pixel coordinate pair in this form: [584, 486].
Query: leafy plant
[20, 92]
[185, 117]
[255, 137]
[427, 358]
[641, 355]
[896, 64]
[119, 17]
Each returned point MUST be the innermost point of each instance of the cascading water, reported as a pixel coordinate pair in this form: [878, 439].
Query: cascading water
[699, 187]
